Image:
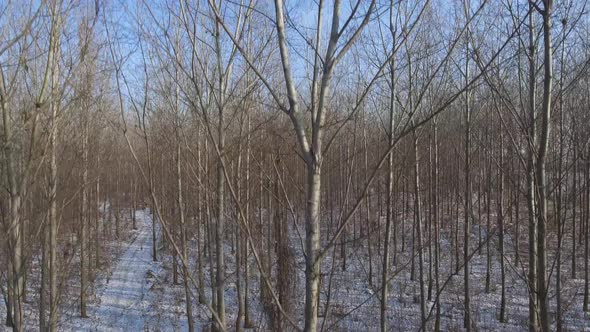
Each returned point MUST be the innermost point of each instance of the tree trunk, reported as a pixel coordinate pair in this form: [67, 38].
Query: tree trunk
[437, 226]
[574, 198]
[390, 202]
[312, 246]
[248, 323]
[201, 243]
[43, 282]
[500, 214]
[239, 243]
[531, 201]
[185, 273]
[467, 205]
[53, 217]
[586, 223]
[543, 287]
[560, 216]
[418, 223]
[517, 220]
[220, 225]
[84, 221]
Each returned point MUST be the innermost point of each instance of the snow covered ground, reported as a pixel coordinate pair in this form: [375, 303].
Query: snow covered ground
[137, 294]
[123, 302]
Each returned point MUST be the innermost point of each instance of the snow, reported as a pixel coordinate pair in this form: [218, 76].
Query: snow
[137, 294]
[124, 301]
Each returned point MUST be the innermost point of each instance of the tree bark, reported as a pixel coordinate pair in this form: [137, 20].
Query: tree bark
[531, 201]
[543, 287]
[467, 205]
[390, 202]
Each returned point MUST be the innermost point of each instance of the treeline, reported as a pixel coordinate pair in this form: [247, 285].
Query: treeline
[278, 145]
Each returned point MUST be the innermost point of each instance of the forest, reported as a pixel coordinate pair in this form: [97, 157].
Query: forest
[294, 165]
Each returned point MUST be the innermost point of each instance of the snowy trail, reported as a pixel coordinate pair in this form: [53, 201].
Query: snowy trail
[124, 302]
